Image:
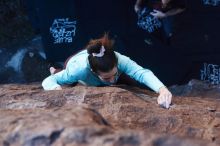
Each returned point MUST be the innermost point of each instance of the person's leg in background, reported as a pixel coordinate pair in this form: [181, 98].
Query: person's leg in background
[168, 29]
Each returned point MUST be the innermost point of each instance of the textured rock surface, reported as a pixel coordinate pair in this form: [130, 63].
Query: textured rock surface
[108, 116]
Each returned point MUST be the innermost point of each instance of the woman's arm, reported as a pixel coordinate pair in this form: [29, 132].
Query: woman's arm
[160, 14]
[140, 74]
[145, 76]
[174, 12]
[138, 5]
[67, 76]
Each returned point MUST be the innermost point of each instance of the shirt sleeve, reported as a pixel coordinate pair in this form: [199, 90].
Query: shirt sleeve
[140, 74]
[67, 76]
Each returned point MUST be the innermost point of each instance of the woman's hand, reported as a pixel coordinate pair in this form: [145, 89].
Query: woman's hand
[164, 98]
[158, 14]
[58, 88]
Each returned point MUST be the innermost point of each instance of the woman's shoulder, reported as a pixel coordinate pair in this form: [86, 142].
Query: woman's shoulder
[121, 57]
[123, 61]
[78, 62]
[79, 58]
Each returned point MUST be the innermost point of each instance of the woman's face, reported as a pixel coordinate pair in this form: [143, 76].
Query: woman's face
[108, 76]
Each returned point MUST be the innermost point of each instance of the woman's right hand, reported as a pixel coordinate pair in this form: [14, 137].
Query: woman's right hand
[165, 97]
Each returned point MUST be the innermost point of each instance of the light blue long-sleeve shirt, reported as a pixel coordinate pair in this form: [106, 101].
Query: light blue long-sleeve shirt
[78, 70]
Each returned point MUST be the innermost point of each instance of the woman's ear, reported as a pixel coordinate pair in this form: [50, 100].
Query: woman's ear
[92, 71]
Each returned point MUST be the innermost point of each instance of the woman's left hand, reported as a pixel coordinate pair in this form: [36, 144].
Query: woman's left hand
[164, 98]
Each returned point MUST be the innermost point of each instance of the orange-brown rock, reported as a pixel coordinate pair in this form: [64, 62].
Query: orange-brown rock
[107, 116]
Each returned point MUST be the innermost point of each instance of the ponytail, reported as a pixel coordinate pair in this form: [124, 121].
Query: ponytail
[101, 55]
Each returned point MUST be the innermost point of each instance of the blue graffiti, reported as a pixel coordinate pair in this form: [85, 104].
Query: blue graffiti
[63, 30]
[210, 73]
[211, 2]
[147, 21]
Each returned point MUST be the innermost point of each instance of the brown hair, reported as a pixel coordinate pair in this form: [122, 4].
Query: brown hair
[106, 62]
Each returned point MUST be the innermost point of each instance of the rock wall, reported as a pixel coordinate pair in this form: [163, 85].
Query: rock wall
[108, 116]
